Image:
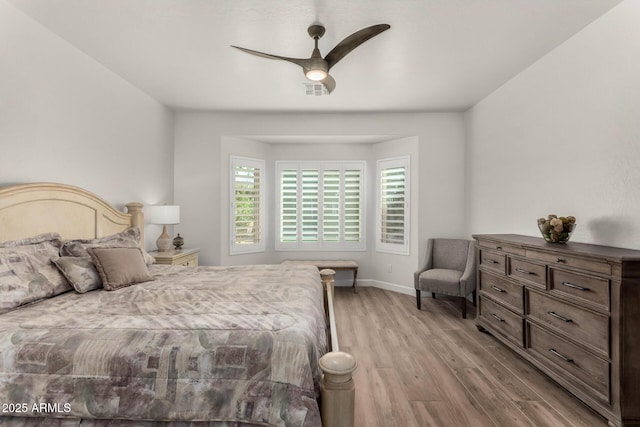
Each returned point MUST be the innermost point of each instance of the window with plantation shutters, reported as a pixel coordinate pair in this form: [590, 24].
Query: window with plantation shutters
[393, 206]
[247, 216]
[320, 205]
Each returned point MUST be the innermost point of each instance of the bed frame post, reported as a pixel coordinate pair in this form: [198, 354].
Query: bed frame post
[137, 217]
[337, 390]
[327, 279]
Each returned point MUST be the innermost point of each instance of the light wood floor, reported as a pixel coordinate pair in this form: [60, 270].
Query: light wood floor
[433, 368]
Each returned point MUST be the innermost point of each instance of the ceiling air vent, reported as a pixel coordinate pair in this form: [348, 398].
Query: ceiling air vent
[315, 89]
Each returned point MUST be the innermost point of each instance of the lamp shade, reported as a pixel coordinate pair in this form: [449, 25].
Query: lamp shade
[164, 214]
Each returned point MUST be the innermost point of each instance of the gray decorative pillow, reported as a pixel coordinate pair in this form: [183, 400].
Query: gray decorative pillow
[51, 238]
[119, 267]
[80, 272]
[128, 238]
[26, 271]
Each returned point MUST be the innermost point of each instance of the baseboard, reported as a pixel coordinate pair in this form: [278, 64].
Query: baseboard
[386, 286]
[378, 284]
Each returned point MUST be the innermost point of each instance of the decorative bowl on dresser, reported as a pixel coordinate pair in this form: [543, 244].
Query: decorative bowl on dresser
[571, 310]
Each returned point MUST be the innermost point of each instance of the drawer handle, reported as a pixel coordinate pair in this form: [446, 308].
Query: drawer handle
[557, 316]
[561, 261]
[494, 287]
[560, 355]
[492, 261]
[499, 248]
[521, 270]
[572, 286]
[497, 317]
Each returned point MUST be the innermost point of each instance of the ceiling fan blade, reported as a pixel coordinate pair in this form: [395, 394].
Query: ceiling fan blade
[353, 41]
[299, 61]
[329, 83]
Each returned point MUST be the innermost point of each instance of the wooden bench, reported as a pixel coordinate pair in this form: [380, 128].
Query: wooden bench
[333, 264]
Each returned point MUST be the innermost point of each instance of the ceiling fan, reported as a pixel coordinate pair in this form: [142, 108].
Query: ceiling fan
[316, 68]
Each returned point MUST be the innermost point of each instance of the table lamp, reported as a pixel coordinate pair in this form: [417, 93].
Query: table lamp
[164, 215]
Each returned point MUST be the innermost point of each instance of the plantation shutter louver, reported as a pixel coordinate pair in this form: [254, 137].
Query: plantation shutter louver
[289, 206]
[247, 211]
[352, 205]
[392, 206]
[393, 213]
[246, 203]
[309, 223]
[331, 206]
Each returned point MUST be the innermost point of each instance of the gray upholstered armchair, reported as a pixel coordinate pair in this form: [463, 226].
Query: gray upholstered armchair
[450, 269]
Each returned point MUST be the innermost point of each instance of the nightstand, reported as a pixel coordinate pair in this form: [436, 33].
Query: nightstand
[186, 257]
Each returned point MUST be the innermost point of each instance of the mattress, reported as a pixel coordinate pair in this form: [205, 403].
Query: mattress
[196, 346]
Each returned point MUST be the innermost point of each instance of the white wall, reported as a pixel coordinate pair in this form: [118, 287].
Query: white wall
[66, 118]
[200, 160]
[390, 271]
[564, 137]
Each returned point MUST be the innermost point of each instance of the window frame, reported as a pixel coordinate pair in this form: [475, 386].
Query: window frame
[321, 167]
[236, 248]
[381, 165]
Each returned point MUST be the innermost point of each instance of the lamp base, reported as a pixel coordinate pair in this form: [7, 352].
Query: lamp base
[164, 241]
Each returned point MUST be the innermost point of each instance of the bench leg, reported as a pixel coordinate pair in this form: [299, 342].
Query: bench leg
[355, 284]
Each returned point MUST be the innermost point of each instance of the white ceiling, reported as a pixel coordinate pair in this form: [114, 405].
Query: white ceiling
[439, 55]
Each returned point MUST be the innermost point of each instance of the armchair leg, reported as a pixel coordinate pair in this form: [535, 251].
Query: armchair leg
[463, 303]
[418, 299]
[433, 295]
[475, 298]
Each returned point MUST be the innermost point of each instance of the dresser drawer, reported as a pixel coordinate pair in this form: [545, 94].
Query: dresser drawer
[580, 287]
[533, 273]
[494, 261]
[511, 325]
[502, 290]
[500, 246]
[585, 327]
[568, 360]
[569, 261]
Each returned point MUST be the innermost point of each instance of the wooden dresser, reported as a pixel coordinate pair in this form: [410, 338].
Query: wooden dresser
[572, 310]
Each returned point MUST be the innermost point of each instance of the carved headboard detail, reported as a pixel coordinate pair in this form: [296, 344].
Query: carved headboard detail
[30, 209]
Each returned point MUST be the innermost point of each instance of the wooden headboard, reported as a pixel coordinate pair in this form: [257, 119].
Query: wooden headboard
[30, 209]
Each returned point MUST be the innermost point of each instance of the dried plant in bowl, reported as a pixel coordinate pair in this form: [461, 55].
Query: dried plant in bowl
[557, 229]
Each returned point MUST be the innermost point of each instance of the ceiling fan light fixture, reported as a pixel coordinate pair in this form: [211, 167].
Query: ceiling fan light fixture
[317, 68]
[316, 75]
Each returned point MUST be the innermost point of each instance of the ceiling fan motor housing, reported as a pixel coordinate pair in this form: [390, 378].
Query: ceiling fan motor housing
[316, 31]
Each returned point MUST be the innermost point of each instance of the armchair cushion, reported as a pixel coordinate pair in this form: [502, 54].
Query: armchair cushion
[441, 281]
[450, 254]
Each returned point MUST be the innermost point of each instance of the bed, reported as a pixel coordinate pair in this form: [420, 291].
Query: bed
[183, 346]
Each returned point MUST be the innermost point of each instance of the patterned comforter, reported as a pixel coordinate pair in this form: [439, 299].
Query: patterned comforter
[226, 345]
